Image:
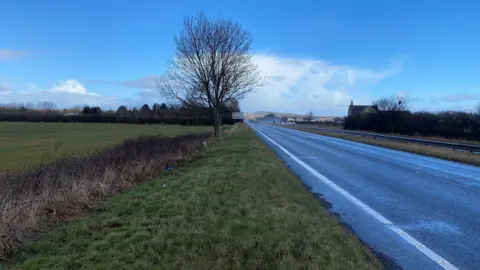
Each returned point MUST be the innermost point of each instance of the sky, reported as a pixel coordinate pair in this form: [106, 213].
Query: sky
[313, 55]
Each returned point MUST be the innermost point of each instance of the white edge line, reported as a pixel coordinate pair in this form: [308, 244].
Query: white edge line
[414, 242]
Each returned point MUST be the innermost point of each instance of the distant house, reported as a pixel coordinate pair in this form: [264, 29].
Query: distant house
[357, 110]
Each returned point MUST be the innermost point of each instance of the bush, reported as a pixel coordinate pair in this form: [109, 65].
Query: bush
[32, 199]
[458, 125]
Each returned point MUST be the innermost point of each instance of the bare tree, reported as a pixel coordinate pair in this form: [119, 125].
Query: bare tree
[30, 106]
[233, 105]
[211, 67]
[310, 116]
[392, 109]
[46, 106]
[392, 104]
[477, 109]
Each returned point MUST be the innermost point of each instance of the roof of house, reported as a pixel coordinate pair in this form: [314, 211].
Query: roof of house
[358, 109]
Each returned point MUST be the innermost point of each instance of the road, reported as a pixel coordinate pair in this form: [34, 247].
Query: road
[422, 212]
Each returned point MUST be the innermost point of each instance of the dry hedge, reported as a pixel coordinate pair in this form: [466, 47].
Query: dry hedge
[32, 199]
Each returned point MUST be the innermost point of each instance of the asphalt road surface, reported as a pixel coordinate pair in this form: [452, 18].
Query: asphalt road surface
[421, 212]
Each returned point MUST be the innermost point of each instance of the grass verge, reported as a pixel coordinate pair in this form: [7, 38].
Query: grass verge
[235, 205]
[32, 200]
[438, 152]
[434, 138]
[27, 144]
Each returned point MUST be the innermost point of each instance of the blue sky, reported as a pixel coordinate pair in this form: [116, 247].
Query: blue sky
[315, 55]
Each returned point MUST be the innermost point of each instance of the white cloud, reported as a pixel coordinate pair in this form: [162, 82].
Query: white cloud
[296, 85]
[148, 82]
[459, 97]
[293, 85]
[4, 89]
[64, 94]
[11, 54]
[71, 86]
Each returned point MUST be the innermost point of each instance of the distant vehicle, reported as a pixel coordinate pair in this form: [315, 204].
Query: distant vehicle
[291, 122]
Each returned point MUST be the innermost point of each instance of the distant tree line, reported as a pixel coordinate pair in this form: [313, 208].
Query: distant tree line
[157, 113]
[91, 110]
[393, 116]
[42, 106]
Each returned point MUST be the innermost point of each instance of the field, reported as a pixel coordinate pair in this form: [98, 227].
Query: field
[24, 144]
[438, 152]
[233, 206]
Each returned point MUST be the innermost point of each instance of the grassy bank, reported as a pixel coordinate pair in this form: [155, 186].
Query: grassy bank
[26, 143]
[234, 206]
[435, 138]
[438, 152]
[38, 198]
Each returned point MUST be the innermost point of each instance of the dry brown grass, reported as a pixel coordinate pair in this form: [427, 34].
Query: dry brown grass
[31, 200]
[434, 138]
[438, 152]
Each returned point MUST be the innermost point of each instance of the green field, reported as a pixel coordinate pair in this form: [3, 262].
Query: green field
[234, 206]
[23, 144]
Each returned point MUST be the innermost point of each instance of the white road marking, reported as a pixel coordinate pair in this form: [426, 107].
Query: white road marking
[414, 242]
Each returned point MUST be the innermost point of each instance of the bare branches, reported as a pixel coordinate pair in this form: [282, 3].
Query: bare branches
[392, 104]
[212, 65]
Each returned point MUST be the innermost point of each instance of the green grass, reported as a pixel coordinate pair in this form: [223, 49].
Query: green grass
[24, 144]
[234, 206]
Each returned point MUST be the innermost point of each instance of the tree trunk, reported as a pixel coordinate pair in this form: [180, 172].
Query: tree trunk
[217, 122]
